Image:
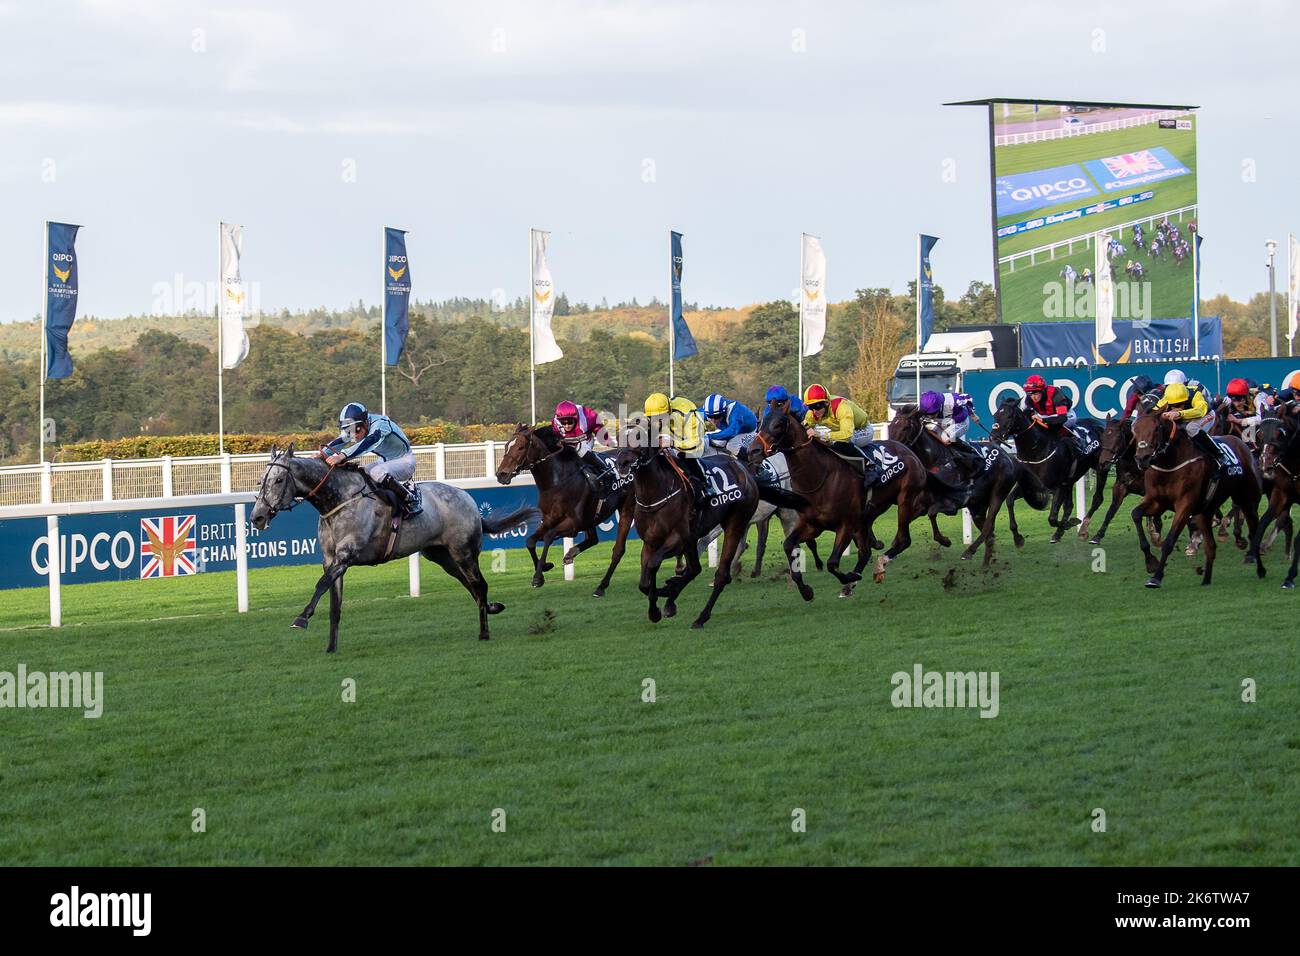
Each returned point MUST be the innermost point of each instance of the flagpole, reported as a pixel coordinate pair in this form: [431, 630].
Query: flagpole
[383, 327]
[918, 318]
[532, 344]
[221, 353]
[45, 298]
[802, 295]
[1290, 299]
[672, 335]
[1196, 295]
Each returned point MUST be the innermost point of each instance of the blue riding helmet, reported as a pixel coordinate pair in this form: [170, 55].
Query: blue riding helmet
[354, 414]
[715, 404]
[777, 393]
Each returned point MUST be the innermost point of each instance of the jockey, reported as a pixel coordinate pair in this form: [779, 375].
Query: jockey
[730, 420]
[677, 422]
[1138, 390]
[1241, 410]
[947, 417]
[361, 431]
[1189, 408]
[777, 393]
[846, 421]
[1051, 407]
[576, 426]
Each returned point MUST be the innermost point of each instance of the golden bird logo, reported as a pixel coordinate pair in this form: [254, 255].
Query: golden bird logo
[63, 274]
[233, 296]
[164, 552]
[397, 273]
[1122, 360]
[813, 295]
[543, 296]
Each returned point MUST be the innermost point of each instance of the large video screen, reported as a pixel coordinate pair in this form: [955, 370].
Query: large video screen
[1062, 173]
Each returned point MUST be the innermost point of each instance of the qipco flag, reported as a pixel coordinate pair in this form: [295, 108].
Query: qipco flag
[814, 295]
[230, 303]
[925, 291]
[545, 348]
[397, 294]
[1104, 290]
[60, 297]
[683, 342]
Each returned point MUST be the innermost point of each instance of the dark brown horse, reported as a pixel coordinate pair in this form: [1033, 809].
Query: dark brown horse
[839, 502]
[1117, 454]
[1279, 458]
[1177, 479]
[992, 479]
[566, 499]
[670, 525]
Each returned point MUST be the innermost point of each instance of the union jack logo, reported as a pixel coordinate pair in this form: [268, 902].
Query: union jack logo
[167, 546]
[1133, 164]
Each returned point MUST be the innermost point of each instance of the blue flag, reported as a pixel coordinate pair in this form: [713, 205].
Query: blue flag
[397, 294]
[925, 293]
[683, 342]
[60, 297]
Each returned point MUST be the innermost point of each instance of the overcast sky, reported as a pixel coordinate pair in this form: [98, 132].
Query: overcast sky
[314, 124]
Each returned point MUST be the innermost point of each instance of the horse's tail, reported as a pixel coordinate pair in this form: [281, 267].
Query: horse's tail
[782, 498]
[948, 496]
[511, 519]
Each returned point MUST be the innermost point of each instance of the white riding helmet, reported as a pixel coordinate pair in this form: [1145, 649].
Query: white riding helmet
[1175, 375]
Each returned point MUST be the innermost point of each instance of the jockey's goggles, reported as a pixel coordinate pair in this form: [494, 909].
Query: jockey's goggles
[819, 406]
[569, 422]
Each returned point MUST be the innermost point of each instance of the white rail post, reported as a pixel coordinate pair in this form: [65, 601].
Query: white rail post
[966, 535]
[413, 573]
[568, 568]
[490, 457]
[167, 476]
[1081, 497]
[713, 553]
[440, 462]
[55, 571]
[241, 554]
[225, 473]
[107, 466]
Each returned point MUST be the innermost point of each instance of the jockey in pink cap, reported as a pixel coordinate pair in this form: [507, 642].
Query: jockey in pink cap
[576, 426]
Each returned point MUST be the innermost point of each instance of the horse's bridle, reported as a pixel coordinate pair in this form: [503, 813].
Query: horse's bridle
[293, 498]
[530, 465]
[1282, 447]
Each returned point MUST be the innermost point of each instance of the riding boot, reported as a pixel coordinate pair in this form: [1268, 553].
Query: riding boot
[593, 469]
[1207, 447]
[870, 473]
[694, 470]
[404, 501]
[967, 455]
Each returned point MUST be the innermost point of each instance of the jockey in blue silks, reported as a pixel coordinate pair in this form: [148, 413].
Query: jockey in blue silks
[360, 432]
[731, 420]
[777, 393]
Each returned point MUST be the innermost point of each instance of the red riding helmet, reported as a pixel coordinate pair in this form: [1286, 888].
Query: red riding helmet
[1035, 383]
[1238, 388]
[815, 393]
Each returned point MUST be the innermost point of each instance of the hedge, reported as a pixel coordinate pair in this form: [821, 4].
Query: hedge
[181, 446]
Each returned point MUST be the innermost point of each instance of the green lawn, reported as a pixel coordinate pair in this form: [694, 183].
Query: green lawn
[1111, 696]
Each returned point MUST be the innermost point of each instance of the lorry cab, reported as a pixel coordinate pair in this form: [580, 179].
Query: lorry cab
[941, 363]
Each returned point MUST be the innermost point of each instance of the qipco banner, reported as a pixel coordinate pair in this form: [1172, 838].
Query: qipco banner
[1100, 390]
[1053, 344]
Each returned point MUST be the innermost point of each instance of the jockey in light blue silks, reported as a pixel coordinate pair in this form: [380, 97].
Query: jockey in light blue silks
[360, 432]
[734, 424]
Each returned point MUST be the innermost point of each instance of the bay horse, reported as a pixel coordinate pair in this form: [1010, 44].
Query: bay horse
[838, 501]
[1280, 462]
[355, 528]
[991, 483]
[1176, 477]
[1050, 460]
[670, 525]
[565, 498]
[1116, 453]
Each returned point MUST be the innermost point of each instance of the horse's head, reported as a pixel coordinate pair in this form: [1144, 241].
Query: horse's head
[1273, 437]
[780, 431]
[906, 426]
[636, 445]
[1152, 436]
[1009, 420]
[1115, 438]
[278, 489]
[527, 447]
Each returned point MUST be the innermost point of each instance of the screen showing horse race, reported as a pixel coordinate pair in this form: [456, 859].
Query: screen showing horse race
[1065, 173]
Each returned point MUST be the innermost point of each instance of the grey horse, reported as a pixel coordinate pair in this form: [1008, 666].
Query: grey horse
[355, 522]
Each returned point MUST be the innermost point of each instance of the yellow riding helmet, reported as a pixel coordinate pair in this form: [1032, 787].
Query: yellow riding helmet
[815, 393]
[1175, 393]
[657, 404]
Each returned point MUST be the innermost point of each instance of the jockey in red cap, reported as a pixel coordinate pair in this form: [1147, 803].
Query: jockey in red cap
[576, 426]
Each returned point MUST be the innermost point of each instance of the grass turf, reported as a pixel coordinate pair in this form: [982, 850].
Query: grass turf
[1111, 697]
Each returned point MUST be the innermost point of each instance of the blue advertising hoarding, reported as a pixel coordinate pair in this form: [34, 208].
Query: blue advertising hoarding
[1023, 192]
[1052, 344]
[172, 542]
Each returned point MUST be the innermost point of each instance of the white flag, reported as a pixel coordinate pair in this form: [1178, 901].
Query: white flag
[545, 348]
[1293, 287]
[231, 300]
[1104, 293]
[814, 295]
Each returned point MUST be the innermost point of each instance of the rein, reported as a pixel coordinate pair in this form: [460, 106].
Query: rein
[275, 510]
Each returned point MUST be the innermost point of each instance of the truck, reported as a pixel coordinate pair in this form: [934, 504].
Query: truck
[946, 356]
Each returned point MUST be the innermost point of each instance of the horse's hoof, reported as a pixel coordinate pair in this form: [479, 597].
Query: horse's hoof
[1261, 572]
[599, 592]
[299, 622]
[1095, 539]
[845, 592]
[876, 545]
[655, 615]
[879, 577]
[1018, 540]
[697, 624]
[570, 555]
[483, 637]
[495, 607]
[670, 610]
[1241, 545]
[547, 566]
[967, 555]
[944, 542]
[1054, 540]
[1153, 582]
[805, 592]
[332, 649]
[1288, 585]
